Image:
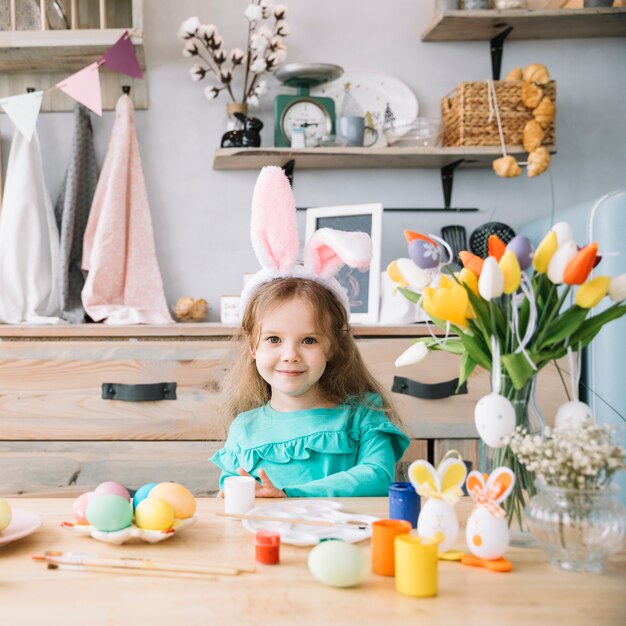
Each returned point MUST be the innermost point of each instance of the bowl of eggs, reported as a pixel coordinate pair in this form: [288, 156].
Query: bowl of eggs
[156, 512]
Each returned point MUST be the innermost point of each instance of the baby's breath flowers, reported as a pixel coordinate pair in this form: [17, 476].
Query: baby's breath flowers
[584, 457]
[267, 27]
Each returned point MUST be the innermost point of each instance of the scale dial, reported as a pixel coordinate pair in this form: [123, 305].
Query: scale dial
[308, 114]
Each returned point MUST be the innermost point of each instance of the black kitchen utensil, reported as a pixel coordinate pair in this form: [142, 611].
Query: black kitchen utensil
[479, 239]
[455, 236]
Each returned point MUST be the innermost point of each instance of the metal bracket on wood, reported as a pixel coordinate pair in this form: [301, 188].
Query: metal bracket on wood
[288, 168]
[496, 45]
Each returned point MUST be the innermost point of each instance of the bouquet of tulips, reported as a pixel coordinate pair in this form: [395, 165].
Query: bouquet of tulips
[520, 308]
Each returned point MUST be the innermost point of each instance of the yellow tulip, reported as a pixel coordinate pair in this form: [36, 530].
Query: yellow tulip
[511, 270]
[448, 302]
[467, 277]
[590, 294]
[395, 275]
[544, 252]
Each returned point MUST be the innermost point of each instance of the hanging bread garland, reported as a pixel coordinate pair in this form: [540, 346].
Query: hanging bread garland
[534, 76]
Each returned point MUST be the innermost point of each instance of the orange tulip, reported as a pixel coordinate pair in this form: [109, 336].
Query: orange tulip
[580, 266]
[496, 246]
[410, 235]
[471, 262]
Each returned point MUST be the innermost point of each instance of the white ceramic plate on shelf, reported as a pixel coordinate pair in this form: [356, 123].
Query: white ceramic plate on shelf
[303, 535]
[373, 91]
[23, 523]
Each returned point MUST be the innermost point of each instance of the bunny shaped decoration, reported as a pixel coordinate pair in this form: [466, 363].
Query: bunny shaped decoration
[487, 533]
[274, 235]
[442, 487]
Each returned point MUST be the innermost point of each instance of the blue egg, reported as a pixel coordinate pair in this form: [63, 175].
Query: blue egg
[522, 249]
[424, 254]
[142, 493]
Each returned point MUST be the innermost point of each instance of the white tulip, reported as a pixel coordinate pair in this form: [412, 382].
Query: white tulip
[491, 279]
[564, 232]
[412, 355]
[617, 288]
[417, 278]
[564, 254]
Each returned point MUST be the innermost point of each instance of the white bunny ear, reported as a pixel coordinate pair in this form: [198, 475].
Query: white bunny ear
[501, 481]
[328, 250]
[423, 475]
[273, 227]
[475, 479]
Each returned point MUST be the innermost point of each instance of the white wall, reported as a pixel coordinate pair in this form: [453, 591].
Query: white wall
[201, 216]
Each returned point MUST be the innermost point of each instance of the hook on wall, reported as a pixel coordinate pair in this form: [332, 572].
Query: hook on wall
[126, 89]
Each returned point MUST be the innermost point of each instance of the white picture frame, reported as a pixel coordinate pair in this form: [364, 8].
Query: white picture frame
[355, 217]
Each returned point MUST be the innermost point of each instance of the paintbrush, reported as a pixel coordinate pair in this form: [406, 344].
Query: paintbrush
[105, 569]
[354, 524]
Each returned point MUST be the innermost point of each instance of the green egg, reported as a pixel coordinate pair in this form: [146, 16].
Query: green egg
[109, 513]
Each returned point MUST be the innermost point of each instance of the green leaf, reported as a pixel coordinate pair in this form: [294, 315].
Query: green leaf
[453, 345]
[409, 295]
[468, 364]
[518, 367]
[585, 334]
[563, 326]
[474, 349]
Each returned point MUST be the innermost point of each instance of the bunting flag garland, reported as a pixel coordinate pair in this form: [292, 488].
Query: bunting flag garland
[84, 86]
[121, 57]
[23, 111]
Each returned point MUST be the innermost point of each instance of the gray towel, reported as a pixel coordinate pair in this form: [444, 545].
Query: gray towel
[72, 211]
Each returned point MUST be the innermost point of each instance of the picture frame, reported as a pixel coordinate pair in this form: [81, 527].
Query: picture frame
[363, 288]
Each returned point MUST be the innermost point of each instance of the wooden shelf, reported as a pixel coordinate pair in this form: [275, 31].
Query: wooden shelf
[360, 158]
[528, 24]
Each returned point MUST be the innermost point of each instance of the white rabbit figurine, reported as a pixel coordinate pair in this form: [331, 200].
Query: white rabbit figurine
[442, 487]
[487, 532]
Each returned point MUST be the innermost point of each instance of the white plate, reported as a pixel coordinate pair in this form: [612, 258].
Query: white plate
[373, 91]
[23, 523]
[132, 532]
[301, 534]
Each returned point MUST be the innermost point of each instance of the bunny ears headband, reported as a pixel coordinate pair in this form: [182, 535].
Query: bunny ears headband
[274, 234]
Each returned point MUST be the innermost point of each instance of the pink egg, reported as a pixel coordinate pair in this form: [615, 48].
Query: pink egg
[111, 488]
[80, 507]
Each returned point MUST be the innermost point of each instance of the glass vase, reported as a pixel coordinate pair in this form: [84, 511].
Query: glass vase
[528, 416]
[578, 528]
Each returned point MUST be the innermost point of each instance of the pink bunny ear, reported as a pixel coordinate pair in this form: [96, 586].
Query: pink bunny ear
[329, 250]
[273, 227]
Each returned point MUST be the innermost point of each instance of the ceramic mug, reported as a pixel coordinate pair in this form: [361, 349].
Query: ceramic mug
[351, 131]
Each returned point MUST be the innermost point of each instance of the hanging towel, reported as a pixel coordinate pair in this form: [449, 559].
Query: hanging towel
[72, 211]
[29, 240]
[123, 284]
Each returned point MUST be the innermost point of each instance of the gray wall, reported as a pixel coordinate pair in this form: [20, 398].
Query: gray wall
[201, 216]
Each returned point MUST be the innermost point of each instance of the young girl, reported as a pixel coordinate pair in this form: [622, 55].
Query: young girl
[309, 418]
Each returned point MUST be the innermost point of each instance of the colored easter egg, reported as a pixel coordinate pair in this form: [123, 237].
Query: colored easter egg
[572, 414]
[5, 514]
[177, 496]
[487, 536]
[112, 488]
[154, 514]
[80, 507]
[109, 513]
[494, 417]
[523, 250]
[338, 564]
[424, 254]
[142, 493]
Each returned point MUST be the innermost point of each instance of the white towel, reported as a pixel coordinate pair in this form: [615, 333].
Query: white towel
[29, 241]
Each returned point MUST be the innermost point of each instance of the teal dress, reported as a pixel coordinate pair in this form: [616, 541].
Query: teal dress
[349, 450]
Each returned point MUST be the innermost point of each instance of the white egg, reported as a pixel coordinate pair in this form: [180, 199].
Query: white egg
[572, 414]
[438, 516]
[494, 417]
[487, 536]
[338, 564]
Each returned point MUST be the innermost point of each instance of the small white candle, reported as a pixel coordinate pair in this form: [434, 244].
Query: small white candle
[239, 494]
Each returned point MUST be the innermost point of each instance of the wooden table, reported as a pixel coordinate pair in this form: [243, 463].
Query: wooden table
[534, 593]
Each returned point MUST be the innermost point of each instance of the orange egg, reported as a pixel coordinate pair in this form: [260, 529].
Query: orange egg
[177, 496]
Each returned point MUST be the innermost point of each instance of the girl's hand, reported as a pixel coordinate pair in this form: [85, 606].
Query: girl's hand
[266, 489]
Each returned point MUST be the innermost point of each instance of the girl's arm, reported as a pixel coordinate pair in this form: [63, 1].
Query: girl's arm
[374, 470]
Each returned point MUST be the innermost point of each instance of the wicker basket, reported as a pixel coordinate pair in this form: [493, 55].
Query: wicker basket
[466, 111]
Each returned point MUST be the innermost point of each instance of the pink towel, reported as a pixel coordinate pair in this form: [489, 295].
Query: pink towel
[124, 284]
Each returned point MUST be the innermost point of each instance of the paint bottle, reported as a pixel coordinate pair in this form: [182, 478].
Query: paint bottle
[404, 503]
[416, 566]
[267, 547]
[384, 531]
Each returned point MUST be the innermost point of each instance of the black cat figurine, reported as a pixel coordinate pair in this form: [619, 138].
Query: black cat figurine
[248, 137]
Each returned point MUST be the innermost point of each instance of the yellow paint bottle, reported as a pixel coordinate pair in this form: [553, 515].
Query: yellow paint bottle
[416, 566]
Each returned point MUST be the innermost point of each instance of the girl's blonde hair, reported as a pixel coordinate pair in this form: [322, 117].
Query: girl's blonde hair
[346, 378]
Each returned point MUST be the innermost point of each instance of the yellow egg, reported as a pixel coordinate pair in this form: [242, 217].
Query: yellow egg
[5, 514]
[154, 514]
[177, 496]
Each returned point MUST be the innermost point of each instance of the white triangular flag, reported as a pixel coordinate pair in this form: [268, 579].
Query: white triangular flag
[23, 110]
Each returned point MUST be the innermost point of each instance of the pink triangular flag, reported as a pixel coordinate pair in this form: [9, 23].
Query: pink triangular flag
[84, 86]
[23, 111]
[121, 57]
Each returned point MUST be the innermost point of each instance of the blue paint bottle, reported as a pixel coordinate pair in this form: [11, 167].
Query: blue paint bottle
[404, 503]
